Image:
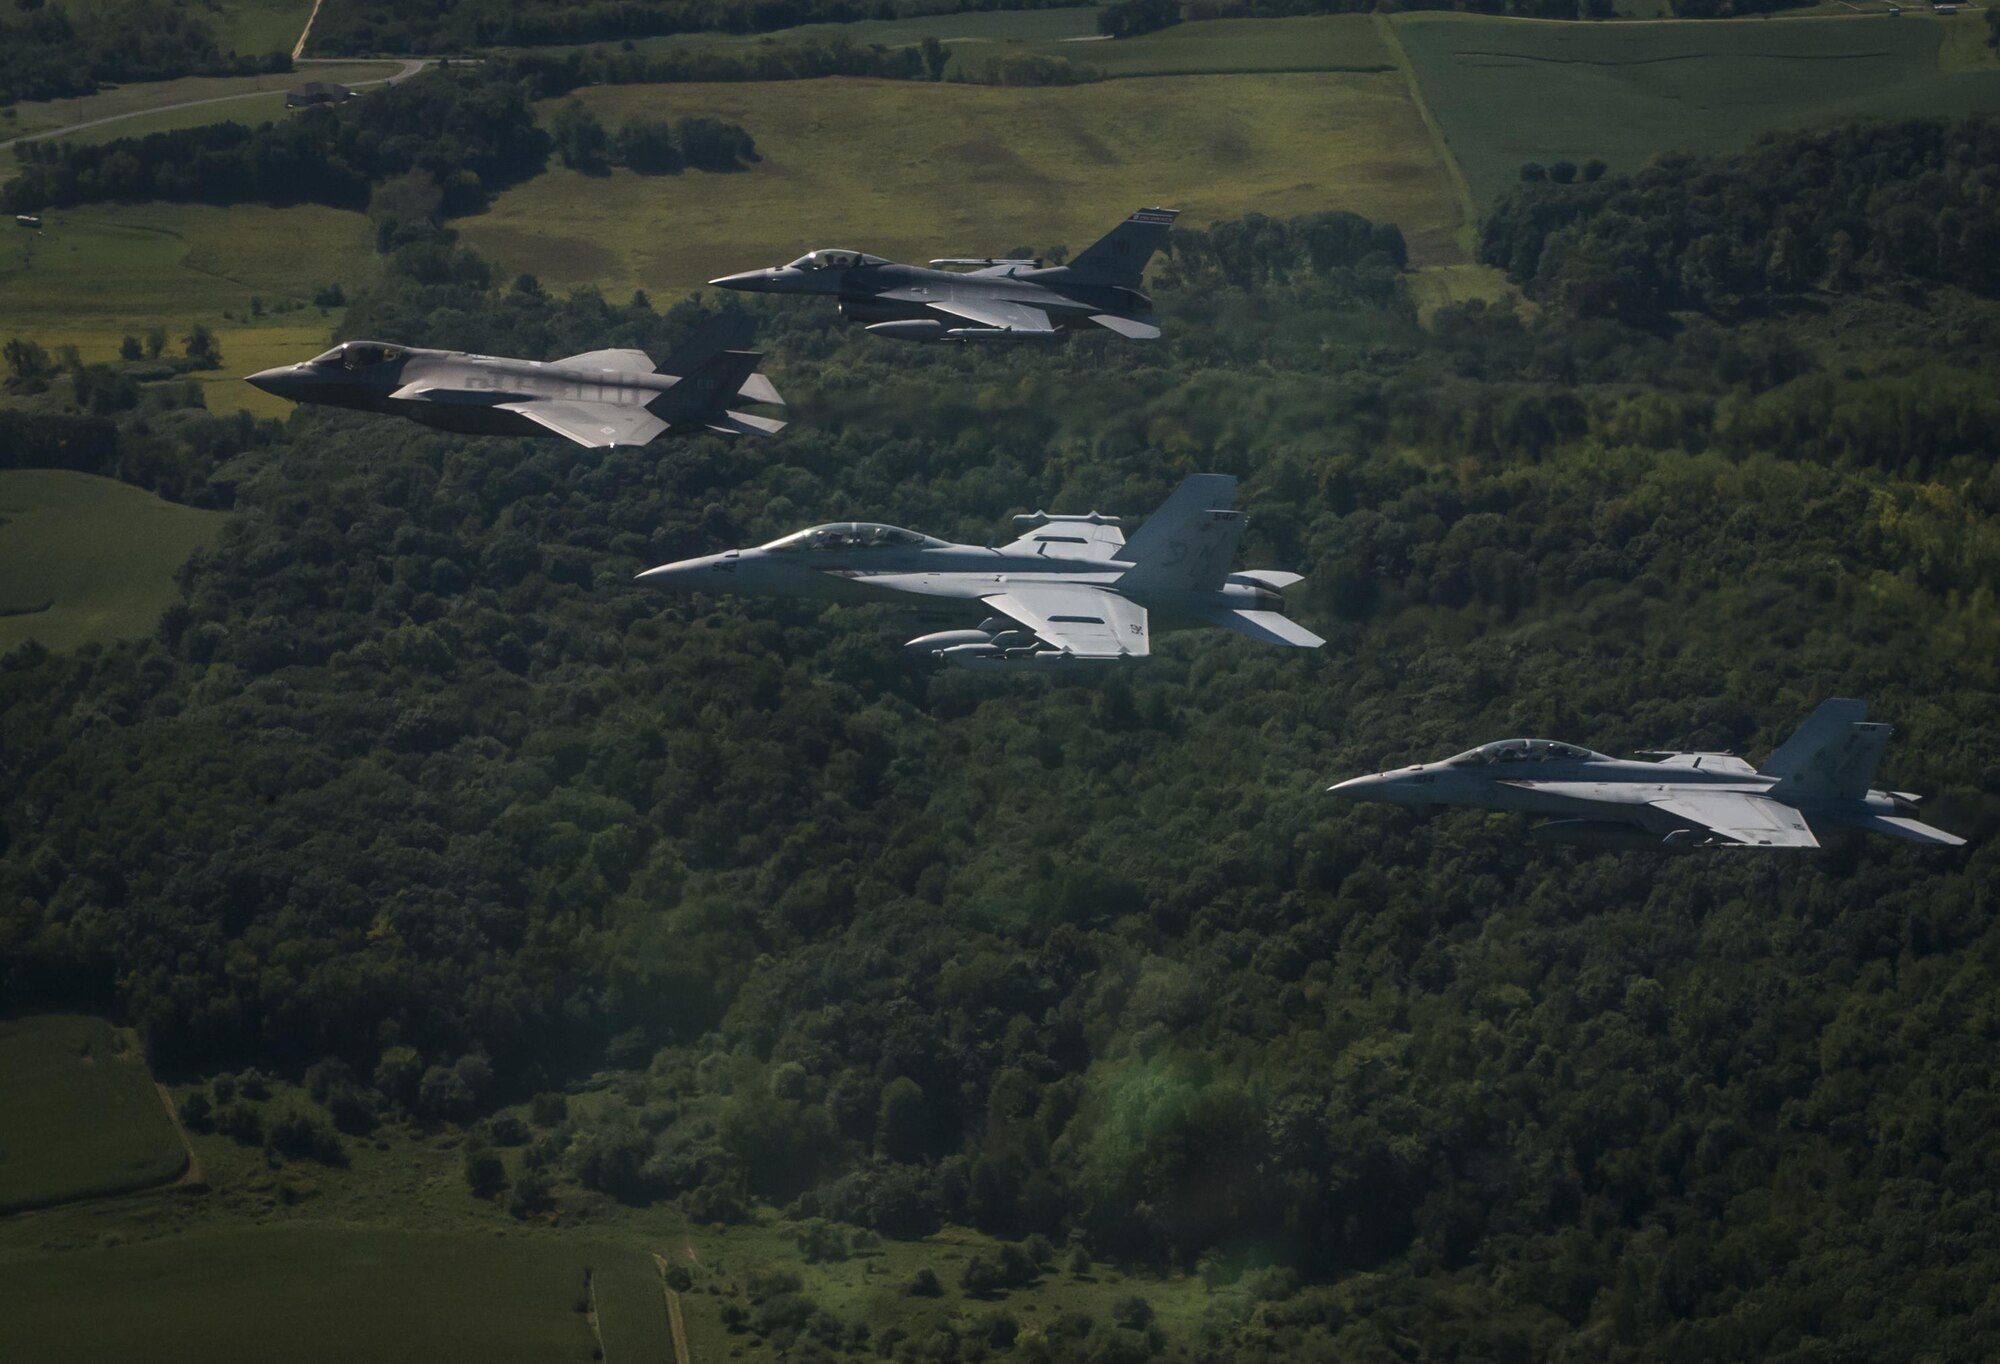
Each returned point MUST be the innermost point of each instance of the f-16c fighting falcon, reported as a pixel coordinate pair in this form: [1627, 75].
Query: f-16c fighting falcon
[600, 398]
[1814, 784]
[992, 300]
[1073, 589]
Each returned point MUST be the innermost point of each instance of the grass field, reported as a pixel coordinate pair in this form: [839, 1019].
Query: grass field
[970, 26]
[1508, 92]
[101, 272]
[913, 170]
[1337, 42]
[39, 116]
[254, 27]
[308, 1294]
[86, 559]
[79, 1114]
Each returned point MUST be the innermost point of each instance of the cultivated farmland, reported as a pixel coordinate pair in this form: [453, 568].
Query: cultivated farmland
[79, 1114]
[1509, 92]
[910, 168]
[85, 560]
[311, 1294]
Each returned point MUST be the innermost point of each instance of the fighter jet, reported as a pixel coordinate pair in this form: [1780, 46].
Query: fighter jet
[1072, 590]
[1817, 782]
[990, 300]
[600, 398]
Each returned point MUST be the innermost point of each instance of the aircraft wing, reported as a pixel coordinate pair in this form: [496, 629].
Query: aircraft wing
[1739, 817]
[997, 313]
[1137, 328]
[1088, 622]
[596, 425]
[610, 359]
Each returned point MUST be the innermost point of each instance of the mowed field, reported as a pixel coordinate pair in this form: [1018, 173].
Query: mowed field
[40, 116]
[85, 560]
[105, 271]
[79, 1114]
[1509, 92]
[308, 1294]
[1334, 42]
[912, 170]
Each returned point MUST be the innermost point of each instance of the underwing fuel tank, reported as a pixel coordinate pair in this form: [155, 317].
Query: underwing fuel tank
[1605, 833]
[946, 639]
[910, 329]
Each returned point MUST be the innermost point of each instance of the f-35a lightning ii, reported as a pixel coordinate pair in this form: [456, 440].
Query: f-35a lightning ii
[1071, 590]
[1815, 783]
[995, 300]
[600, 398]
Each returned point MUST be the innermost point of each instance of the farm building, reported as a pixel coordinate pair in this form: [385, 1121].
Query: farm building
[317, 92]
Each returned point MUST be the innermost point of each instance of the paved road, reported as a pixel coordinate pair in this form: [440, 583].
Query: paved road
[409, 69]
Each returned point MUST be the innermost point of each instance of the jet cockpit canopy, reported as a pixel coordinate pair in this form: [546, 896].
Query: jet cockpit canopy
[357, 355]
[1525, 751]
[835, 260]
[851, 535]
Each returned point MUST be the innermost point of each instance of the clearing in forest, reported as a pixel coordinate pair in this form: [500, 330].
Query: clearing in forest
[912, 170]
[79, 1114]
[83, 560]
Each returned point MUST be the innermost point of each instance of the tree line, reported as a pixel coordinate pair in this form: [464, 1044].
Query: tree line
[468, 133]
[46, 53]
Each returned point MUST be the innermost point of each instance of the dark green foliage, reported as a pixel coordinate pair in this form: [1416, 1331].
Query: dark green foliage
[1855, 207]
[485, 1172]
[47, 54]
[549, 74]
[471, 132]
[923, 1284]
[579, 139]
[1099, 963]
[1128, 18]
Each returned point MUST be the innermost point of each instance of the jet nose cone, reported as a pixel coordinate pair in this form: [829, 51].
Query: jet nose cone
[1362, 787]
[755, 281]
[663, 576]
[270, 380]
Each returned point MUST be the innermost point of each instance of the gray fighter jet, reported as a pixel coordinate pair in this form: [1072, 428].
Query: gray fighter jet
[600, 398]
[1814, 784]
[990, 300]
[1071, 590]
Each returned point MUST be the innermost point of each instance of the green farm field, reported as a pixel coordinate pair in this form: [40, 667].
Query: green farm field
[102, 272]
[315, 1293]
[86, 560]
[1507, 91]
[1335, 42]
[41, 116]
[888, 167]
[79, 1113]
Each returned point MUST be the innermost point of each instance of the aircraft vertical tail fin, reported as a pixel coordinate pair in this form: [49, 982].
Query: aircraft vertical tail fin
[1833, 755]
[1120, 256]
[1190, 542]
[708, 389]
[724, 331]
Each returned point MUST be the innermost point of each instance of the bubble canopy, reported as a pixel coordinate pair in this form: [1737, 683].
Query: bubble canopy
[851, 535]
[835, 260]
[1526, 751]
[358, 355]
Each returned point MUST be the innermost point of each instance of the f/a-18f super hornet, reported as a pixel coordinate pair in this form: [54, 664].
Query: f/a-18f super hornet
[1072, 589]
[1815, 783]
[986, 299]
[600, 398]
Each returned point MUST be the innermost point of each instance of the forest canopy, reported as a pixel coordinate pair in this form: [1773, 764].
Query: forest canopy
[419, 798]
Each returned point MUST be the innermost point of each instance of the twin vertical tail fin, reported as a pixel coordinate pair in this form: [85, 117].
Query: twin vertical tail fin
[1832, 756]
[704, 396]
[1120, 256]
[724, 331]
[1190, 542]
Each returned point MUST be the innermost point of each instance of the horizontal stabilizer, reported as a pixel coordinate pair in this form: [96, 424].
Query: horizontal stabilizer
[1914, 831]
[1274, 578]
[1268, 626]
[1136, 328]
[759, 389]
[744, 424]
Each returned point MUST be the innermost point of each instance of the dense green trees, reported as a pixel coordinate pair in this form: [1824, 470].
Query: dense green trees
[46, 52]
[419, 796]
